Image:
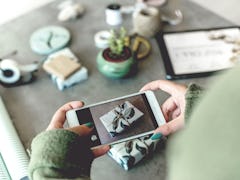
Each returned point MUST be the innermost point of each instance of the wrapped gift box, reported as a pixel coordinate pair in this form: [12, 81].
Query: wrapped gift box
[77, 77]
[120, 118]
[65, 69]
[128, 154]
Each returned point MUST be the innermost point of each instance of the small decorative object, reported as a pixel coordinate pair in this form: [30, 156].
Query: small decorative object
[175, 19]
[101, 39]
[135, 42]
[70, 10]
[65, 69]
[141, 4]
[147, 21]
[77, 77]
[49, 39]
[120, 118]
[117, 60]
[156, 3]
[113, 14]
[13, 74]
[129, 153]
[61, 66]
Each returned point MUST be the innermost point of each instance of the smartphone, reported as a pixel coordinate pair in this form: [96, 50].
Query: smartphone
[120, 119]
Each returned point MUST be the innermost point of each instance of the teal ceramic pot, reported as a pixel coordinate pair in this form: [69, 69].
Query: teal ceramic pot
[115, 66]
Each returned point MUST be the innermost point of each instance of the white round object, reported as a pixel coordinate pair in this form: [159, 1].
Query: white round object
[94, 138]
[70, 12]
[156, 3]
[101, 39]
[49, 39]
[9, 71]
[113, 14]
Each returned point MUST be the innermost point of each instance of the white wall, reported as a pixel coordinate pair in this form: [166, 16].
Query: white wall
[228, 9]
[10, 9]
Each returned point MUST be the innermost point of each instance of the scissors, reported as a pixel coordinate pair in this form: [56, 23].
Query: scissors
[140, 46]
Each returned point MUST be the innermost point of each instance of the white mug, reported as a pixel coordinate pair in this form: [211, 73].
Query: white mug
[113, 14]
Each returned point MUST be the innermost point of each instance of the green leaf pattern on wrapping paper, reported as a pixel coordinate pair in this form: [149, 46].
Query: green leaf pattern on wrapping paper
[129, 146]
[130, 160]
[142, 150]
[151, 147]
[116, 120]
[123, 106]
[129, 113]
[145, 138]
[123, 125]
[113, 134]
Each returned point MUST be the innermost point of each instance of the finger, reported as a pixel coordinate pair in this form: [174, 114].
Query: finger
[60, 115]
[81, 130]
[168, 107]
[176, 113]
[101, 150]
[167, 86]
[171, 126]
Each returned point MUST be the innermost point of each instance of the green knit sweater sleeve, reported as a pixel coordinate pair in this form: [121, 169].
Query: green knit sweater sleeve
[59, 154]
[192, 97]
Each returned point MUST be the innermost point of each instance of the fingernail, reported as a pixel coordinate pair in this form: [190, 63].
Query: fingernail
[110, 146]
[156, 136]
[83, 103]
[89, 124]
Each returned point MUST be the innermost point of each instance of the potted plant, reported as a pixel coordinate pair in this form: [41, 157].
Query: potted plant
[117, 60]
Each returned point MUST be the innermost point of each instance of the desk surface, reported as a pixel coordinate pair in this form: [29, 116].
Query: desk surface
[32, 106]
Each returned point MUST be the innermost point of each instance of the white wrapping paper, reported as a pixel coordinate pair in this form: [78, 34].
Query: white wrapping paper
[128, 154]
[120, 118]
[12, 151]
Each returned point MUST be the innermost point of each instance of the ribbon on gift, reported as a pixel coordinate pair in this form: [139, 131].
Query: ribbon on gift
[120, 118]
[123, 114]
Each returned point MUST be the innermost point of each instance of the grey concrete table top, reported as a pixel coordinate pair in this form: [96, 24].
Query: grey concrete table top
[32, 106]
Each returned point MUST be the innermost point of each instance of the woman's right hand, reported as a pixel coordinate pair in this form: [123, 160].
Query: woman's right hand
[173, 108]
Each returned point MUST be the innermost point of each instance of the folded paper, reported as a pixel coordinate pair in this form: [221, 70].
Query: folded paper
[128, 154]
[62, 74]
[120, 118]
[77, 77]
[61, 66]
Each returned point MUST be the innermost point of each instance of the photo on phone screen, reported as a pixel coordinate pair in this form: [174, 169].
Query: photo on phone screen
[119, 119]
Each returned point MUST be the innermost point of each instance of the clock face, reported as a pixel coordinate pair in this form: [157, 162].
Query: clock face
[46, 40]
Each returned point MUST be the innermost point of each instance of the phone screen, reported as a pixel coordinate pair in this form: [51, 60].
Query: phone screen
[118, 119]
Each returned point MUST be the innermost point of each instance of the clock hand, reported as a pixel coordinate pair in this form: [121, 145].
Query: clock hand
[49, 40]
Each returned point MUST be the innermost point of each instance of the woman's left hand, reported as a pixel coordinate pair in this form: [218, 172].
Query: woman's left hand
[59, 119]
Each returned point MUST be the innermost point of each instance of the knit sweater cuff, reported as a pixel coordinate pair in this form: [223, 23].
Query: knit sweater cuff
[193, 94]
[63, 152]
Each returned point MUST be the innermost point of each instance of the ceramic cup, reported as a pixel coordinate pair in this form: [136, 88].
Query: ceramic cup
[113, 14]
[147, 21]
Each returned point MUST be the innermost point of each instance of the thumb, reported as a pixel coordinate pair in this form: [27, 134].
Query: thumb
[101, 150]
[82, 130]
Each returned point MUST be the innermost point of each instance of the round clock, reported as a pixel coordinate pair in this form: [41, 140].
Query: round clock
[48, 39]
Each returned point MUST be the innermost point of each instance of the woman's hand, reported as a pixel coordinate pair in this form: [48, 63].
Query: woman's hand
[59, 119]
[173, 108]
